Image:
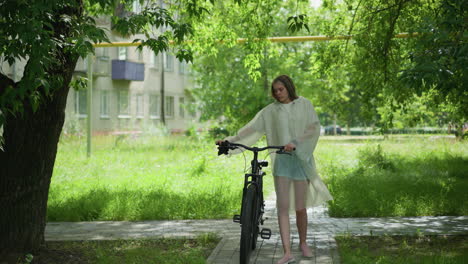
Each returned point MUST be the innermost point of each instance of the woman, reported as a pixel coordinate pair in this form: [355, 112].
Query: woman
[291, 122]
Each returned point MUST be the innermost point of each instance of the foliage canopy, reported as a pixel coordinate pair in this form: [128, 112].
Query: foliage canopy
[371, 79]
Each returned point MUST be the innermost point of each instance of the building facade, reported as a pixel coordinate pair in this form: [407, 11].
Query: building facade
[127, 90]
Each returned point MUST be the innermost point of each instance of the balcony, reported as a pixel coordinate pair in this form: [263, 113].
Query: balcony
[128, 70]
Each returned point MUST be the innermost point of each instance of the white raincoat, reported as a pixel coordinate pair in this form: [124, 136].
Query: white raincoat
[295, 123]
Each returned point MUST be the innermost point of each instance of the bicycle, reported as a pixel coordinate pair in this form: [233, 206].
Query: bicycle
[253, 204]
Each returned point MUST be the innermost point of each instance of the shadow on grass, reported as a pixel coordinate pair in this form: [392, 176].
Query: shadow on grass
[403, 249]
[418, 187]
[132, 205]
[128, 251]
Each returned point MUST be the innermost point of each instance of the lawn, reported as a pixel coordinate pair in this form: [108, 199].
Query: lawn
[148, 177]
[177, 177]
[182, 251]
[400, 176]
[403, 249]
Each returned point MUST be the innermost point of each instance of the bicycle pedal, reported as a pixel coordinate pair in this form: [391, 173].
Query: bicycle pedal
[265, 233]
[236, 218]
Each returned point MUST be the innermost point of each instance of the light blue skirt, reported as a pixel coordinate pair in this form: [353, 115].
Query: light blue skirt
[289, 166]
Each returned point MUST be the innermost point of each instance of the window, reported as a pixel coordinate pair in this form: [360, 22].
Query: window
[140, 54]
[136, 7]
[122, 53]
[104, 104]
[155, 60]
[101, 51]
[169, 107]
[123, 106]
[183, 67]
[101, 65]
[192, 108]
[139, 106]
[168, 62]
[154, 106]
[81, 103]
[181, 107]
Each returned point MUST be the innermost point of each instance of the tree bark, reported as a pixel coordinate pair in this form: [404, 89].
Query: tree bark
[27, 160]
[26, 163]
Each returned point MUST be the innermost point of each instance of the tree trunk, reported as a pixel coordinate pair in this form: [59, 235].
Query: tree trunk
[459, 132]
[26, 165]
[163, 95]
[27, 154]
[334, 125]
[266, 83]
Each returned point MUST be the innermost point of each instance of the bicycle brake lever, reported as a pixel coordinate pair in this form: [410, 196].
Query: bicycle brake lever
[283, 152]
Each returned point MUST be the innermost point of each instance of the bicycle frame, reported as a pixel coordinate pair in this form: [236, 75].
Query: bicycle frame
[256, 177]
[252, 200]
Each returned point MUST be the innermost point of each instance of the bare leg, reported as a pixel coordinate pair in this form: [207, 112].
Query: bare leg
[301, 221]
[282, 204]
[283, 221]
[300, 190]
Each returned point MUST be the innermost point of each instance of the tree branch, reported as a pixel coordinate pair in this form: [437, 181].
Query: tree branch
[391, 6]
[352, 24]
[390, 34]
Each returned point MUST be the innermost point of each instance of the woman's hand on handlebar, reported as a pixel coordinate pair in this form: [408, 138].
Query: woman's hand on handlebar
[289, 147]
[218, 142]
[223, 147]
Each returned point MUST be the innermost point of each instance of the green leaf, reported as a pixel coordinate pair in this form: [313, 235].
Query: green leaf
[46, 85]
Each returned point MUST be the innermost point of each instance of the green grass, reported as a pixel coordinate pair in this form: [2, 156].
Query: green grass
[145, 178]
[403, 249]
[157, 177]
[401, 176]
[128, 251]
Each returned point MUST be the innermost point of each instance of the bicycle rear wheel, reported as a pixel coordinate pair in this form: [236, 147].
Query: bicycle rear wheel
[247, 224]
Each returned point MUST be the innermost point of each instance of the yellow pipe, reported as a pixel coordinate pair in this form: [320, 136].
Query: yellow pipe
[116, 44]
[272, 39]
[298, 39]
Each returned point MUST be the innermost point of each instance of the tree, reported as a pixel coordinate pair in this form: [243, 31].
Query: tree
[390, 72]
[49, 37]
[437, 66]
[226, 88]
[323, 71]
[235, 80]
[369, 79]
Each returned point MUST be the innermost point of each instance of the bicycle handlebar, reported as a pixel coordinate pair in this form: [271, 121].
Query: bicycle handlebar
[225, 146]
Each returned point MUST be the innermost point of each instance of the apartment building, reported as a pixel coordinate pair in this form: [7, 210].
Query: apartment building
[127, 90]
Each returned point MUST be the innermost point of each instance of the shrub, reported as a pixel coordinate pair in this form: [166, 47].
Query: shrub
[373, 156]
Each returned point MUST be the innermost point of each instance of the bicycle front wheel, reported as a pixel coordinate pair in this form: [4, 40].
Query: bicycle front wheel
[247, 224]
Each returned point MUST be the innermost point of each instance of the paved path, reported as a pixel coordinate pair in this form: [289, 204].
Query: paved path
[321, 232]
